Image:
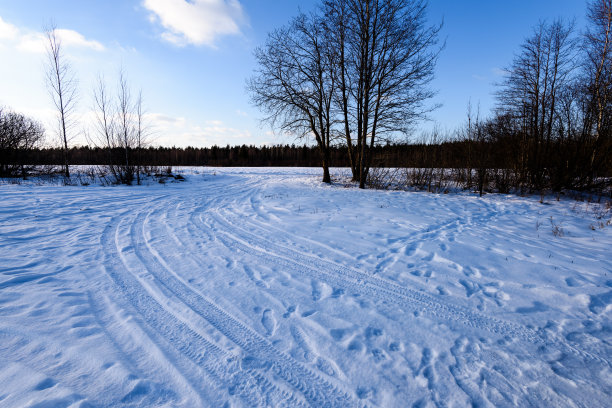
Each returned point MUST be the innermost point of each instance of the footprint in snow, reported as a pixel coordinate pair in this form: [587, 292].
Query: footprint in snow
[422, 274]
[372, 332]
[355, 346]
[429, 257]
[601, 303]
[471, 272]
[337, 293]
[537, 307]
[395, 346]
[410, 250]
[269, 322]
[378, 355]
[289, 311]
[339, 334]
[470, 287]
[45, 384]
[573, 282]
[363, 393]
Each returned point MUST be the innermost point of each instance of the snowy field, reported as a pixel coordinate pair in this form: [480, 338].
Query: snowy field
[264, 287]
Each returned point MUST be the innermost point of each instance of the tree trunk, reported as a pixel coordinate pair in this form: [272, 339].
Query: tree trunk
[326, 175]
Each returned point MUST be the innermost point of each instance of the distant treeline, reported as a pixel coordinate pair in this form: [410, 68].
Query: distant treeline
[501, 153]
[237, 156]
[495, 163]
[443, 155]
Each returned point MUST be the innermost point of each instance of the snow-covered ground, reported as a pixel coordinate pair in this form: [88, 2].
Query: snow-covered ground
[264, 287]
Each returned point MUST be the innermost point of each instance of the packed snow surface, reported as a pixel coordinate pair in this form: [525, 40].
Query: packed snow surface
[265, 287]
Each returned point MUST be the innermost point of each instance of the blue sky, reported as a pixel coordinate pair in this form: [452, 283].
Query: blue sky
[191, 59]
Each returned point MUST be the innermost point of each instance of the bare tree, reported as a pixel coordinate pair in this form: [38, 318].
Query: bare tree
[62, 87]
[387, 55]
[18, 135]
[532, 88]
[139, 134]
[359, 69]
[121, 129]
[337, 23]
[294, 83]
[105, 122]
[476, 155]
[125, 134]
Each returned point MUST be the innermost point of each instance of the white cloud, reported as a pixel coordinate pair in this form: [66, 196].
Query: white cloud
[35, 41]
[7, 31]
[197, 22]
[161, 119]
[71, 38]
[178, 131]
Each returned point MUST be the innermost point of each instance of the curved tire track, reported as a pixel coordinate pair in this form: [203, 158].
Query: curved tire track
[261, 356]
[179, 341]
[308, 266]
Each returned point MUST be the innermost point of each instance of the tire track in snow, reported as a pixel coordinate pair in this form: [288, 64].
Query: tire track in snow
[187, 210]
[160, 325]
[131, 341]
[407, 244]
[474, 319]
[315, 390]
[221, 367]
[464, 315]
[335, 274]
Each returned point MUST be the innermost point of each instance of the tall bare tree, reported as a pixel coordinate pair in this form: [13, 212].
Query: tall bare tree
[62, 86]
[139, 134]
[294, 83]
[125, 130]
[337, 23]
[121, 129]
[532, 89]
[386, 59]
[358, 70]
[105, 122]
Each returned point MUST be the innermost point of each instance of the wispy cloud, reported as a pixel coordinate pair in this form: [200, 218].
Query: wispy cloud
[197, 22]
[34, 41]
[178, 131]
[71, 38]
[500, 72]
[161, 119]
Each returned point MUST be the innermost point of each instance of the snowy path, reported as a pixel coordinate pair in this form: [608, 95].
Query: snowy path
[262, 287]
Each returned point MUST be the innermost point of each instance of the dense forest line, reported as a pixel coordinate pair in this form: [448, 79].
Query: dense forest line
[497, 154]
[451, 154]
[489, 165]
